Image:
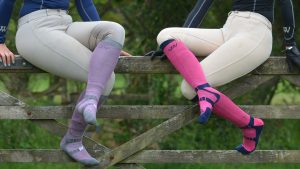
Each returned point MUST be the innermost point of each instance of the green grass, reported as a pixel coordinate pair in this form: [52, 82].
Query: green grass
[217, 134]
[223, 166]
[37, 166]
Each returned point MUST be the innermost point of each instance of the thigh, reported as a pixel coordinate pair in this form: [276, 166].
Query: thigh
[201, 42]
[54, 51]
[91, 33]
[235, 58]
[57, 53]
[44, 43]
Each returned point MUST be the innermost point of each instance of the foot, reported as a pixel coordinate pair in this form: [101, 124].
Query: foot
[74, 148]
[88, 108]
[208, 97]
[251, 135]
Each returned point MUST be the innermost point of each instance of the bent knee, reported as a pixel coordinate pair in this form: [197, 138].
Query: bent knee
[117, 33]
[110, 31]
[187, 91]
[164, 35]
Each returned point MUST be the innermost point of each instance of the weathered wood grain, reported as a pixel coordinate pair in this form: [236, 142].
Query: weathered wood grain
[292, 78]
[57, 128]
[215, 156]
[20, 66]
[143, 65]
[8, 100]
[247, 84]
[161, 156]
[151, 136]
[140, 112]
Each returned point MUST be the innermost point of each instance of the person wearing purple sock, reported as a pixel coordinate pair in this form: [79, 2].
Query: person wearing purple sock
[72, 141]
[85, 51]
[103, 61]
[244, 43]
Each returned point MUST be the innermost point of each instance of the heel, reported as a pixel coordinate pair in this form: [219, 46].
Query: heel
[204, 116]
[258, 131]
[87, 107]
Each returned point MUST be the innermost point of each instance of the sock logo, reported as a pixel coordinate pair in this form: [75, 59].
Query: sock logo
[286, 29]
[172, 46]
[80, 148]
[2, 28]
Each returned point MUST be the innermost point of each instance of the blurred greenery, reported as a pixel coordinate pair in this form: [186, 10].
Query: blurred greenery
[143, 20]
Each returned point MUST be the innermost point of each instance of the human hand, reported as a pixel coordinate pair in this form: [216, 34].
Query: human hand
[123, 53]
[6, 56]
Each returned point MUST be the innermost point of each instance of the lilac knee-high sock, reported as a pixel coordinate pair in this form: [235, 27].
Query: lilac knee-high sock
[102, 63]
[72, 141]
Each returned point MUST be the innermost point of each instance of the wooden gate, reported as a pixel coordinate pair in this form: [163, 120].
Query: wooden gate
[132, 153]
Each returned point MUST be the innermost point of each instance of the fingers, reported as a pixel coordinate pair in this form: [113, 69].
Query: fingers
[1, 54]
[6, 56]
[4, 61]
[123, 53]
[12, 57]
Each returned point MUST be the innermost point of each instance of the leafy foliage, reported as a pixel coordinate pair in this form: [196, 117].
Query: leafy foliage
[143, 20]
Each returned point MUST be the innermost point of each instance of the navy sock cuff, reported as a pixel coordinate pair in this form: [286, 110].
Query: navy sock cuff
[165, 43]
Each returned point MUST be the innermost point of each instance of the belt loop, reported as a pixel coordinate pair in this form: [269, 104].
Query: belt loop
[47, 12]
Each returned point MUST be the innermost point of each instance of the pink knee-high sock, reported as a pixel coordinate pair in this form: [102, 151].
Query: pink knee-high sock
[188, 66]
[103, 61]
[185, 62]
[228, 110]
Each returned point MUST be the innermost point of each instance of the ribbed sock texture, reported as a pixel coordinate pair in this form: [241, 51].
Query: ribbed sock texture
[226, 109]
[72, 141]
[103, 62]
[188, 66]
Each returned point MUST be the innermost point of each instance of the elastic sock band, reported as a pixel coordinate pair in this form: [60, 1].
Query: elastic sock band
[165, 43]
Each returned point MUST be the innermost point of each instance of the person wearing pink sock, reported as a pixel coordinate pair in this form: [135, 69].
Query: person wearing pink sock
[187, 65]
[243, 44]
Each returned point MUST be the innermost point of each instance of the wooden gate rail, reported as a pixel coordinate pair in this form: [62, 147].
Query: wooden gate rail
[60, 129]
[138, 112]
[132, 152]
[143, 65]
[161, 156]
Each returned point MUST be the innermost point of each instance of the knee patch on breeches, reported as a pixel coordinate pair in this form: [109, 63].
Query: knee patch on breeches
[164, 35]
[108, 31]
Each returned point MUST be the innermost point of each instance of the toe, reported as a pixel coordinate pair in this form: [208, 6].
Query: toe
[89, 162]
